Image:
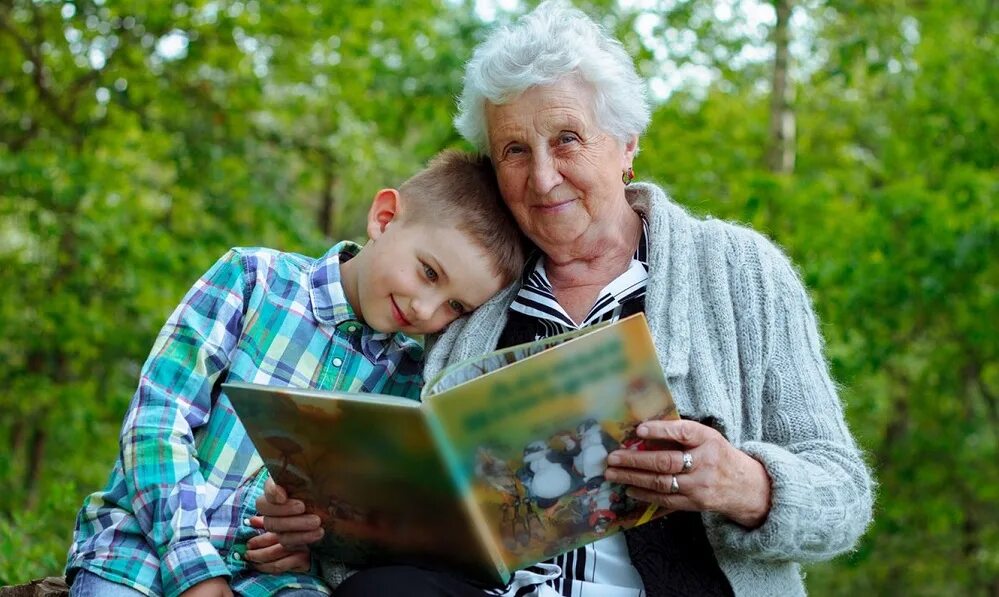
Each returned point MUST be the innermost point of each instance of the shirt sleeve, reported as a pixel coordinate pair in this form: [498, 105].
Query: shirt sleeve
[821, 489]
[174, 398]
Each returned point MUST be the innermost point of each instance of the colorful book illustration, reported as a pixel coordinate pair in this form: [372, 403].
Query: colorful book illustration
[501, 466]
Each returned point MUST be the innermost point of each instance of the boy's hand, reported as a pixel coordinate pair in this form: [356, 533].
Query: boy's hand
[213, 587]
[268, 555]
[287, 518]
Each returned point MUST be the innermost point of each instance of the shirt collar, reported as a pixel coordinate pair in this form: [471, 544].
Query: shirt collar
[329, 303]
[330, 307]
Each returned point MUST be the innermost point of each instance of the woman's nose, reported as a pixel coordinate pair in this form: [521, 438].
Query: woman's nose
[544, 173]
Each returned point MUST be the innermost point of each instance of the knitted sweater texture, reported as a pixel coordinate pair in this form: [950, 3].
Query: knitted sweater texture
[739, 344]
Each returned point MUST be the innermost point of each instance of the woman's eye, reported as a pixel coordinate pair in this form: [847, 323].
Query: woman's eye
[457, 307]
[429, 272]
[514, 150]
[567, 138]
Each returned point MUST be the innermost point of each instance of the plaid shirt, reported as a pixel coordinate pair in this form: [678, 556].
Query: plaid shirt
[175, 511]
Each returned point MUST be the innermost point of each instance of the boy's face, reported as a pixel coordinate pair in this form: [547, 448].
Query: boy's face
[416, 277]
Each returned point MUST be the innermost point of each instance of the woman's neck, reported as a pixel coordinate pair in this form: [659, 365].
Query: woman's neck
[578, 272]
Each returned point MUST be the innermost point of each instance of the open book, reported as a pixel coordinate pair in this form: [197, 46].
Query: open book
[501, 466]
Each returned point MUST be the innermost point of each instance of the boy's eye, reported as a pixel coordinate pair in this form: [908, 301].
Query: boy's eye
[429, 272]
[456, 306]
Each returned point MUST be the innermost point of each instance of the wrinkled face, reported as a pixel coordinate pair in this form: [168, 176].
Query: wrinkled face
[419, 278]
[558, 171]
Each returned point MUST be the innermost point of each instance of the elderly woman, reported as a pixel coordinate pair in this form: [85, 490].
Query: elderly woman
[766, 474]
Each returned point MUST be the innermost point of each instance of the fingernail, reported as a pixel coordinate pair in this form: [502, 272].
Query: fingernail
[613, 459]
[643, 430]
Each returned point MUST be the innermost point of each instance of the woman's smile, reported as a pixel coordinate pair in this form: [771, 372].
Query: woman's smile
[554, 207]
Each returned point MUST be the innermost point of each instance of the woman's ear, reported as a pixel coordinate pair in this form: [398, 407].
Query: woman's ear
[384, 208]
[630, 149]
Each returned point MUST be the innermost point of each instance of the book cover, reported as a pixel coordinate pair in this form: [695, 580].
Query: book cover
[500, 467]
[368, 466]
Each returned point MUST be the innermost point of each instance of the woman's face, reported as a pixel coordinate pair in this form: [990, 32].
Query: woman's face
[559, 173]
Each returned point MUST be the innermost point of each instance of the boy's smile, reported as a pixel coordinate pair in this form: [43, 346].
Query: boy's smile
[399, 317]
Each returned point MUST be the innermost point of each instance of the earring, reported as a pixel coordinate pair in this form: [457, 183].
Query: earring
[627, 176]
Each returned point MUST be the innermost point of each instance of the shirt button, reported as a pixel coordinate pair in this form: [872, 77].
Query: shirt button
[351, 328]
[337, 362]
[236, 556]
[246, 522]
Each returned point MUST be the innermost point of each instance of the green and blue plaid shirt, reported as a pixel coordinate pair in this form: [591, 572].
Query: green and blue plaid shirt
[175, 510]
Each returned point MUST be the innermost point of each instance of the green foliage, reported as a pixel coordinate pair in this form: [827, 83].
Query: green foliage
[139, 140]
[890, 215]
[137, 143]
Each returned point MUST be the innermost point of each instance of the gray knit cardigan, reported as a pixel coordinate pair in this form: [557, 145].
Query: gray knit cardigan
[739, 344]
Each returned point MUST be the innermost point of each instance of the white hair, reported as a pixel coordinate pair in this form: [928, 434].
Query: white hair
[552, 42]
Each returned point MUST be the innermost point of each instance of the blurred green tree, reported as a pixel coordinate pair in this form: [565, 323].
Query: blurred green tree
[138, 141]
[890, 214]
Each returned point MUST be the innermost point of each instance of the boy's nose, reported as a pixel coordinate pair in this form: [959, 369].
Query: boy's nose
[423, 308]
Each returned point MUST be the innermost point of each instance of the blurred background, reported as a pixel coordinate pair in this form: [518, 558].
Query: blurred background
[140, 139]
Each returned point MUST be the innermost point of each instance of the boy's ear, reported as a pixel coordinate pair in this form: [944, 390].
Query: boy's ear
[384, 208]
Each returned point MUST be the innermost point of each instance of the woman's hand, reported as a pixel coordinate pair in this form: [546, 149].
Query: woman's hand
[719, 478]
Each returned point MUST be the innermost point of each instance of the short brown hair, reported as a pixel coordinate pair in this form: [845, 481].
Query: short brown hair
[460, 189]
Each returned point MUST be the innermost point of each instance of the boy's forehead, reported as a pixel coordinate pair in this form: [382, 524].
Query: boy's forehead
[450, 242]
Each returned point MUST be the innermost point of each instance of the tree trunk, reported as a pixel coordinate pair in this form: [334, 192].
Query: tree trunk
[780, 150]
[33, 472]
[17, 437]
[326, 200]
[53, 586]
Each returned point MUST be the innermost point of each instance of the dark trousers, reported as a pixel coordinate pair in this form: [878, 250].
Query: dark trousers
[407, 580]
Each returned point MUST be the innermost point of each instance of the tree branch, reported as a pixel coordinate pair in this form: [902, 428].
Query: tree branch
[21, 141]
[38, 73]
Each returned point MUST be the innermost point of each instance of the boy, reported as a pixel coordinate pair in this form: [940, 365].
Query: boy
[174, 517]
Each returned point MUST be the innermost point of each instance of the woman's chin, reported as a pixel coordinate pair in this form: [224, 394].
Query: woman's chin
[558, 239]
